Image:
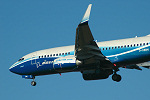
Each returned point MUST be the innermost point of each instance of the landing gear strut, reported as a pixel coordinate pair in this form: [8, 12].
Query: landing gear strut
[116, 77]
[33, 83]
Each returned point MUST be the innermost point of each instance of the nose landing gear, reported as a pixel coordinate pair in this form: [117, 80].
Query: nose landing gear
[33, 83]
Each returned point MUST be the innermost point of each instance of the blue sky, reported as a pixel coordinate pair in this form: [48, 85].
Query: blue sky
[30, 25]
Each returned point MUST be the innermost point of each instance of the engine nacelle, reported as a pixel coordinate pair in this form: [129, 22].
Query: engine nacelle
[96, 74]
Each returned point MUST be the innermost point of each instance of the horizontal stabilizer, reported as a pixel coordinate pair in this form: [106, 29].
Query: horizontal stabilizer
[133, 67]
[145, 65]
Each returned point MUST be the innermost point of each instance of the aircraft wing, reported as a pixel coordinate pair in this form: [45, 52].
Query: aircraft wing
[86, 49]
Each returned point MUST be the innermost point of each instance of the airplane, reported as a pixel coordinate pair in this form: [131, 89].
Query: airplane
[95, 60]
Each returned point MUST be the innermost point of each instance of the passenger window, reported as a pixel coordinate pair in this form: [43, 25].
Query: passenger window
[115, 47]
[128, 45]
[140, 44]
[118, 46]
[124, 46]
[131, 45]
[62, 53]
[53, 54]
[106, 48]
[56, 54]
[47, 55]
[143, 43]
[103, 48]
[39, 56]
[147, 43]
[109, 48]
[137, 44]
[134, 45]
[65, 53]
[42, 56]
[112, 47]
[68, 53]
[59, 54]
[121, 46]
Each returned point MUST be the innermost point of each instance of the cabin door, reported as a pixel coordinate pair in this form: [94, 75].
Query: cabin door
[33, 59]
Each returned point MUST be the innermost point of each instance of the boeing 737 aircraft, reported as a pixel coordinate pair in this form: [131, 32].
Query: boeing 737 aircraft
[94, 60]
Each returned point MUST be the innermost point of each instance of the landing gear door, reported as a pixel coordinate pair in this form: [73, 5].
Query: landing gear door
[33, 59]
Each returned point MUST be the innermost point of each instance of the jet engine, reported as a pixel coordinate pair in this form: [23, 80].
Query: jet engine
[96, 74]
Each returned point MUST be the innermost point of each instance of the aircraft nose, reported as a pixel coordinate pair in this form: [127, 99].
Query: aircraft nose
[18, 69]
[12, 69]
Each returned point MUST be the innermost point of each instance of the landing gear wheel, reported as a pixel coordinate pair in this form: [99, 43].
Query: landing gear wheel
[33, 83]
[116, 77]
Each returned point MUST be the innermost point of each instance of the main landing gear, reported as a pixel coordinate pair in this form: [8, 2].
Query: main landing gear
[116, 77]
[33, 83]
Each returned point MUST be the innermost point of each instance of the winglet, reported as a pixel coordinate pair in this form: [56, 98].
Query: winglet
[86, 15]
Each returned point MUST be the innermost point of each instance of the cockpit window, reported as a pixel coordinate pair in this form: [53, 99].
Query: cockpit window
[21, 59]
